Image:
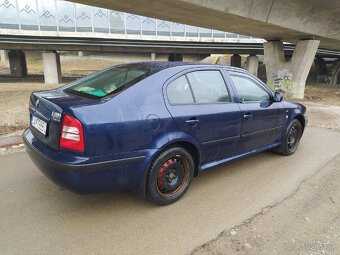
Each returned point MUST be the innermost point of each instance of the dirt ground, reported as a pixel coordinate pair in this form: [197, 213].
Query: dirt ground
[37, 217]
[307, 222]
[70, 65]
[14, 99]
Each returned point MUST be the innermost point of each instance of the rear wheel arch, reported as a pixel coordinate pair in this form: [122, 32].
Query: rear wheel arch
[192, 149]
[189, 146]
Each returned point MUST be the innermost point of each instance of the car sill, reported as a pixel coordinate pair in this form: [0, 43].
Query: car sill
[225, 160]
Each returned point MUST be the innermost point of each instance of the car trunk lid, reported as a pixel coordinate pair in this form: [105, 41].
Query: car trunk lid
[45, 119]
[47, 109]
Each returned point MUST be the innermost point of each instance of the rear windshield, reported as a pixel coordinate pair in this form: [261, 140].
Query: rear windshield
[108, 82]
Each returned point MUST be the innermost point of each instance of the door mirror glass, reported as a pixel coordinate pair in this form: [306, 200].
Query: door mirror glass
[277, 97]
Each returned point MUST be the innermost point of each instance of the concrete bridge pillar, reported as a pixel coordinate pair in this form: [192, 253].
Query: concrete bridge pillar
[52, 68]
[252, 64]
[235, 60]
[17, 63]
[153, 56]
[291, 75]
[3, 55]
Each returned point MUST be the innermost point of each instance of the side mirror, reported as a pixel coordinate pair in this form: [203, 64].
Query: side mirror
[277, 97]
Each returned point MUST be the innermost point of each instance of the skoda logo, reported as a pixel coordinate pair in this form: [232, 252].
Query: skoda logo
[37, 103]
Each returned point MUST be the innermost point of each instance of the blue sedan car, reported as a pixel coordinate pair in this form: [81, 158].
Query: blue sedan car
[153, 126]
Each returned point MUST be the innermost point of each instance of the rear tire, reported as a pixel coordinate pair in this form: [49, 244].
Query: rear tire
[291, 140]
[170, 176]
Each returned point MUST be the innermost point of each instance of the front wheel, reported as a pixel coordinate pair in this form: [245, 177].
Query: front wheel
[292, 139]
[170, 176]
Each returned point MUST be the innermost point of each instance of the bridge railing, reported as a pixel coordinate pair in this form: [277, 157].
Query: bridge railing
[63, 16]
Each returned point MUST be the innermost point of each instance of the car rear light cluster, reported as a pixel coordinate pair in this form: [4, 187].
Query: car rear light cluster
[72, 134]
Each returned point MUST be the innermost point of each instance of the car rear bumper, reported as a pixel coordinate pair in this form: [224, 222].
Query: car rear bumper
[87, 175]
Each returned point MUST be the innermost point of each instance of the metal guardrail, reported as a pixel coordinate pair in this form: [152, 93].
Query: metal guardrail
[99, 44]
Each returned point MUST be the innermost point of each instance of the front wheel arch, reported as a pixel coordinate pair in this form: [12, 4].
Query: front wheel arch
[284, 149]
[302, 121]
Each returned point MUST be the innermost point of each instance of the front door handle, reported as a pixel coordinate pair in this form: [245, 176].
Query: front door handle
[248, 116]
[192, 121]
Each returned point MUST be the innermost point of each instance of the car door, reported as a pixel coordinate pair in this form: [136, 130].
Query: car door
[201, 106]
[262, 118]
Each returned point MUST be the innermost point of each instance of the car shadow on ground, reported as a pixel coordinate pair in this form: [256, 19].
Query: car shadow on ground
[215, 178]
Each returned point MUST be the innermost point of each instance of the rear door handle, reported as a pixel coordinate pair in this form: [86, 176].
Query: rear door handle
[192, 121]
[248, 116]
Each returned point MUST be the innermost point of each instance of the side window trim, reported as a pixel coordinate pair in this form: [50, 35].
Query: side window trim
[184, 73]
[222, 76]
[170, 81]
[226, 85]
[244, 75]
[192, 92]
[257, 81]
[230, 85]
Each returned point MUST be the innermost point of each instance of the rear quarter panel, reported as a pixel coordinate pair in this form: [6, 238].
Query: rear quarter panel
[133, 120]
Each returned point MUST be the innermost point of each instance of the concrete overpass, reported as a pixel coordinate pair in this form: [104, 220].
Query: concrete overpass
[62, 25]
[286, 20]
[306, 23]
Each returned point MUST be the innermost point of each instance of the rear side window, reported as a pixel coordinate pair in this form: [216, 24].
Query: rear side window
[179, 92]
[208, 87]
[108, 82]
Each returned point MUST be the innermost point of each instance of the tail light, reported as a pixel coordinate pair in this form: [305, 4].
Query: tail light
[72, 134]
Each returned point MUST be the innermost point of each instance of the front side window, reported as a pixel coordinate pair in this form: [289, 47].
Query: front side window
[208, 87]
[248, 90]
[179, 92]
[108, 82]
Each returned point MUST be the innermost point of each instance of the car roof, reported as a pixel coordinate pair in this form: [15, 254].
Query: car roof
[161, 65]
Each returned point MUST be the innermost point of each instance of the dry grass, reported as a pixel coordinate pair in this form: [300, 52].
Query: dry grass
[7, 129]
[70, 65]
[323, 94]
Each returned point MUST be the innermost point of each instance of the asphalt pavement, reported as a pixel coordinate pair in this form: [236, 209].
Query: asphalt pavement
[37, 217]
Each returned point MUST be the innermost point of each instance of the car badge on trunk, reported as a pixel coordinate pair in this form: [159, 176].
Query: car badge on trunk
[56, 116]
